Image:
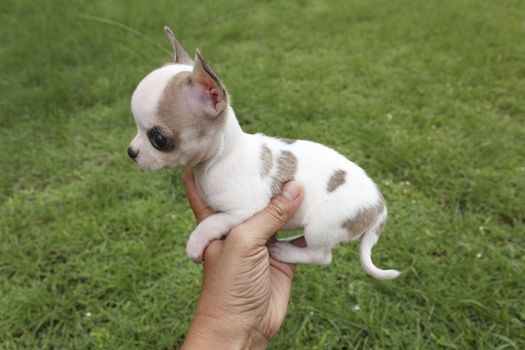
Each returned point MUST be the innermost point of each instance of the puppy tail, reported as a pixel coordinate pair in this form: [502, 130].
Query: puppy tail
[367, 242]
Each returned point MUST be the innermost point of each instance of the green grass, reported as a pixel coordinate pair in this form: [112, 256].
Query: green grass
[428, 96]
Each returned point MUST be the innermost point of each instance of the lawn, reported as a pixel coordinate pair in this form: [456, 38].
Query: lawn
[427, 96]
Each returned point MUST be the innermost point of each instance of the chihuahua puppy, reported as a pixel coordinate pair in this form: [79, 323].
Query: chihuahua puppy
[184, 118]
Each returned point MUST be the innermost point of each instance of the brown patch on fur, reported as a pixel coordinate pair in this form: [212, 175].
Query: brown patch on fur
[336, 180]
[286, 169]
[288, 141]
[365, 219]
[381, 227]
[176, 114]
[266, 158]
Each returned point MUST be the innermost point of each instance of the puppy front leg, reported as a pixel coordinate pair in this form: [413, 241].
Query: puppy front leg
[213, 227]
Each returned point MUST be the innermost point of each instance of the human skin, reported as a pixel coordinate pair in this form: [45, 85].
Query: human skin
[244, 294]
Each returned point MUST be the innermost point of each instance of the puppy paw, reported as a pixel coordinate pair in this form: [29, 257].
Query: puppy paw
[195, 249]
[278, 250]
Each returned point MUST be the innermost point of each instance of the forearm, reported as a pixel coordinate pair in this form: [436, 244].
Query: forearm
[210, 333]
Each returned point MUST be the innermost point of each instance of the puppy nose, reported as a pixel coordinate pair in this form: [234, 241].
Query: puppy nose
[131, 153]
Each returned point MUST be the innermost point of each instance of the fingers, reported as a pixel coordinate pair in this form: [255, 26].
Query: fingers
[263, 225]
[201, 210]
[284, 268]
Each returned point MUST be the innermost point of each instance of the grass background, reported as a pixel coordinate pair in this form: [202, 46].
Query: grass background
[428, 96]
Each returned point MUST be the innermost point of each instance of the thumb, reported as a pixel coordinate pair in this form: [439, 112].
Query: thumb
[263, 225]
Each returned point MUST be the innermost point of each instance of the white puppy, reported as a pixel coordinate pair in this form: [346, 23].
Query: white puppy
[183, 117]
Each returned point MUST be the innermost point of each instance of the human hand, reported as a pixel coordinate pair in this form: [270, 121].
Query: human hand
[245, 293]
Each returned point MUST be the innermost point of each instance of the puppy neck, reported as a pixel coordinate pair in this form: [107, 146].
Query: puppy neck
[225, 142]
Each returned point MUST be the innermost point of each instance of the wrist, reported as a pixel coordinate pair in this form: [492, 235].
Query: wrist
[210, 332]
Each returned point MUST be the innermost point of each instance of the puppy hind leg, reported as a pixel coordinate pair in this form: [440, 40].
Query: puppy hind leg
[316, 251]
[289, 253]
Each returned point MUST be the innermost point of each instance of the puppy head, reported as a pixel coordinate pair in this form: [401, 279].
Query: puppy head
[180, 109]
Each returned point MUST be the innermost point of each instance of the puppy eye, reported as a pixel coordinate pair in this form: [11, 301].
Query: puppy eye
[159, 141]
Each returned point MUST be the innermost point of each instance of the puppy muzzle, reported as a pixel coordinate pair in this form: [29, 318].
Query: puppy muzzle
[132, 154]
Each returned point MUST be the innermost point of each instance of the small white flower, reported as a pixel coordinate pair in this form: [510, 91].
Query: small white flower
[88, 314]
[389, 116]
[479, 255]
[481, 228]
[356, 307]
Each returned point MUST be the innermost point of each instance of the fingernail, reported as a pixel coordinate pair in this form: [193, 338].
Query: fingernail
[291, 190]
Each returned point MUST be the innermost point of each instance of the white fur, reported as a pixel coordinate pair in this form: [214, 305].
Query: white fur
[144, 103]
[230, 182]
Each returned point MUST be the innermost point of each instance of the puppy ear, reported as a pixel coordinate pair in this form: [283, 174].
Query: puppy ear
[179, 54]
[211, 93]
